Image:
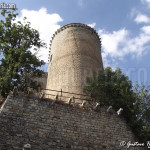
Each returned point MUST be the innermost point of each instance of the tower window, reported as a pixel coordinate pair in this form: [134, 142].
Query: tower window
[51, 58]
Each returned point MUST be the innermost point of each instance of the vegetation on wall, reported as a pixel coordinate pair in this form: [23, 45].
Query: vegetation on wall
[113, 88]
[17, 64]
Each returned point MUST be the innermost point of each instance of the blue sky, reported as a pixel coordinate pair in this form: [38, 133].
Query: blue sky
[123, 26]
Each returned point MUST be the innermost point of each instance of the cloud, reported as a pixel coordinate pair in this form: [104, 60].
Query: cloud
[140, 18]
[92, 25]
[146, 29]
[112, 41]
[110, 45]
[118, 44]
[146, 2]
[138, 45]
[45, 23]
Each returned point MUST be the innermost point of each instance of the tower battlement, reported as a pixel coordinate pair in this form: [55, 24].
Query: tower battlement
[79, 25]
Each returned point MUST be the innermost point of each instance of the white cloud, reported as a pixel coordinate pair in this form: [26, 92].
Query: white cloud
[147, 2]
[110, 45]
[45, 23]
[138, 45]
[140, 18]
[92, 25]
[146, 29]
[118, 44]
[112, 41]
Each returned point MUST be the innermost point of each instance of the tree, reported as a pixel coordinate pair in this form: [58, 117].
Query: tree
[142, 103]
[18, 64]
[114, 88]
[108, 87]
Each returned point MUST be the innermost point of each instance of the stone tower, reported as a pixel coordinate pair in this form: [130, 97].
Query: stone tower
[75, 53]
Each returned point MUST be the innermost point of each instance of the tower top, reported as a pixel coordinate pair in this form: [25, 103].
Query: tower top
[80, 25]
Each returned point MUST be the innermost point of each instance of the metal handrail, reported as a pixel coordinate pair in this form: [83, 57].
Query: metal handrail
[68, 93]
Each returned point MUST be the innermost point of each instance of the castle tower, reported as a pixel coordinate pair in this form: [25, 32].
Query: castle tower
[75, 53]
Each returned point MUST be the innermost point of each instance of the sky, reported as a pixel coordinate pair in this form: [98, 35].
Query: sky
[123, 26]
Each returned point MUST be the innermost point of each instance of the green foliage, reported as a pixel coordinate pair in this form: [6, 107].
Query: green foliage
[143, 105]
[16, 40]
[113, 88]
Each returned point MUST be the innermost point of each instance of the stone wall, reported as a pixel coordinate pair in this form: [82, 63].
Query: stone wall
[51, 126]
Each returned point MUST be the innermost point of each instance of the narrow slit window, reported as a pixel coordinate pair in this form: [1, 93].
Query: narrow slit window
[51, 58]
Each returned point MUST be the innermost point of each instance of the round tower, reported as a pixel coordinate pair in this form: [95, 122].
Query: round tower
[75, 53]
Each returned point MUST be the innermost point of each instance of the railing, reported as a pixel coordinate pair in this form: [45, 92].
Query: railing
[71, 93]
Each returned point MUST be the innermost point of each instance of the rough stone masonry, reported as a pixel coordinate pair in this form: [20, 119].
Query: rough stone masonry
[75, 53]
[52, 126]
